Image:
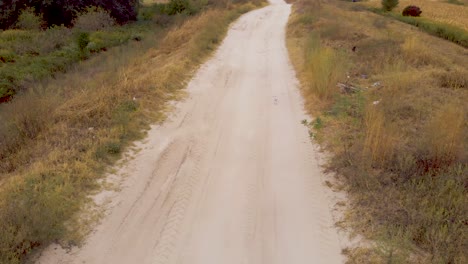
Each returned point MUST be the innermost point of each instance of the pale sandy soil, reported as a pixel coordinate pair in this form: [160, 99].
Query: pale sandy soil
[231, 177]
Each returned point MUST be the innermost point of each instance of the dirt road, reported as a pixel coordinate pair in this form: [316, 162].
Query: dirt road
[231, 177]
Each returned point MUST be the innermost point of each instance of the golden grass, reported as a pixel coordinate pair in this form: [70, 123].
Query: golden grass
[418, 53]
[440, 11]
[381, 139]
[444, 137]
[86, 119]
[324, 68]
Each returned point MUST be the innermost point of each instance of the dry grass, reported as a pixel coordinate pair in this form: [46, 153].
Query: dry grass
[440, 11]
[399, 142]
[83, 120]
[381, 139]
[324, 68]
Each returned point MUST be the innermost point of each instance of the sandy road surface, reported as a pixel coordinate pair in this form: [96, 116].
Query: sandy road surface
[231, 178]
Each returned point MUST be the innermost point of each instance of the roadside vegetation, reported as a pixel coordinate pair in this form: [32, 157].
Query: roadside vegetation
[37, 44]
[447, 21]
[446, 12]
[390, 105]
[61, 131]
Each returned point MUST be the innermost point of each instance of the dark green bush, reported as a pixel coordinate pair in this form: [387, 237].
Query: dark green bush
[82, 40]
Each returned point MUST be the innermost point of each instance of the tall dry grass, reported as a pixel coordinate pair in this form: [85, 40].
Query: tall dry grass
[320, 67]
[324, 68]
[381, 139]
[444, 139]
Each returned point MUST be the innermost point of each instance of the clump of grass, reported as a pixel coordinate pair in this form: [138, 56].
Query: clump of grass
[324, 68]
[452, 78]
[441, 146]
[418, 53]
[381, 139]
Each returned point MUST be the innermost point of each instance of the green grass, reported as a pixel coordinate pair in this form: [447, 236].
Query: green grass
[455, 2]
[27, 56]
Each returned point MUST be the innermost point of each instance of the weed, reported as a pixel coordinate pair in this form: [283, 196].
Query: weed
[324, 68]
[380, 143]
[318, 123]
[441, 146]
[452, 78]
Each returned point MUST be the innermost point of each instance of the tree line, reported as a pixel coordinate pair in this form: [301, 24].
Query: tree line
[62, 12]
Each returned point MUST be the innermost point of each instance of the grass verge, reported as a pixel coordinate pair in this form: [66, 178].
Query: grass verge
[438, 29]
[397, 131]
[59, 137]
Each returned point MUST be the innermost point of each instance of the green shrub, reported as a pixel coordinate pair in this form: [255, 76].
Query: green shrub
[389, 5]
[54, 38]
[82, 40]
[34, 214]
[29, 20]
[7, 55]
[93, 19]
[178, 7]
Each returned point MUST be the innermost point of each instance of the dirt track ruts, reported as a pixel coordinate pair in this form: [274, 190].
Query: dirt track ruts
[231, 177]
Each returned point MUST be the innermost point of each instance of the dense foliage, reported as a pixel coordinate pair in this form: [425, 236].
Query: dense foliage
[411, 10]
[58, 12]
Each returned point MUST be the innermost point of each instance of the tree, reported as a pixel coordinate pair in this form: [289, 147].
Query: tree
[389, 5]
